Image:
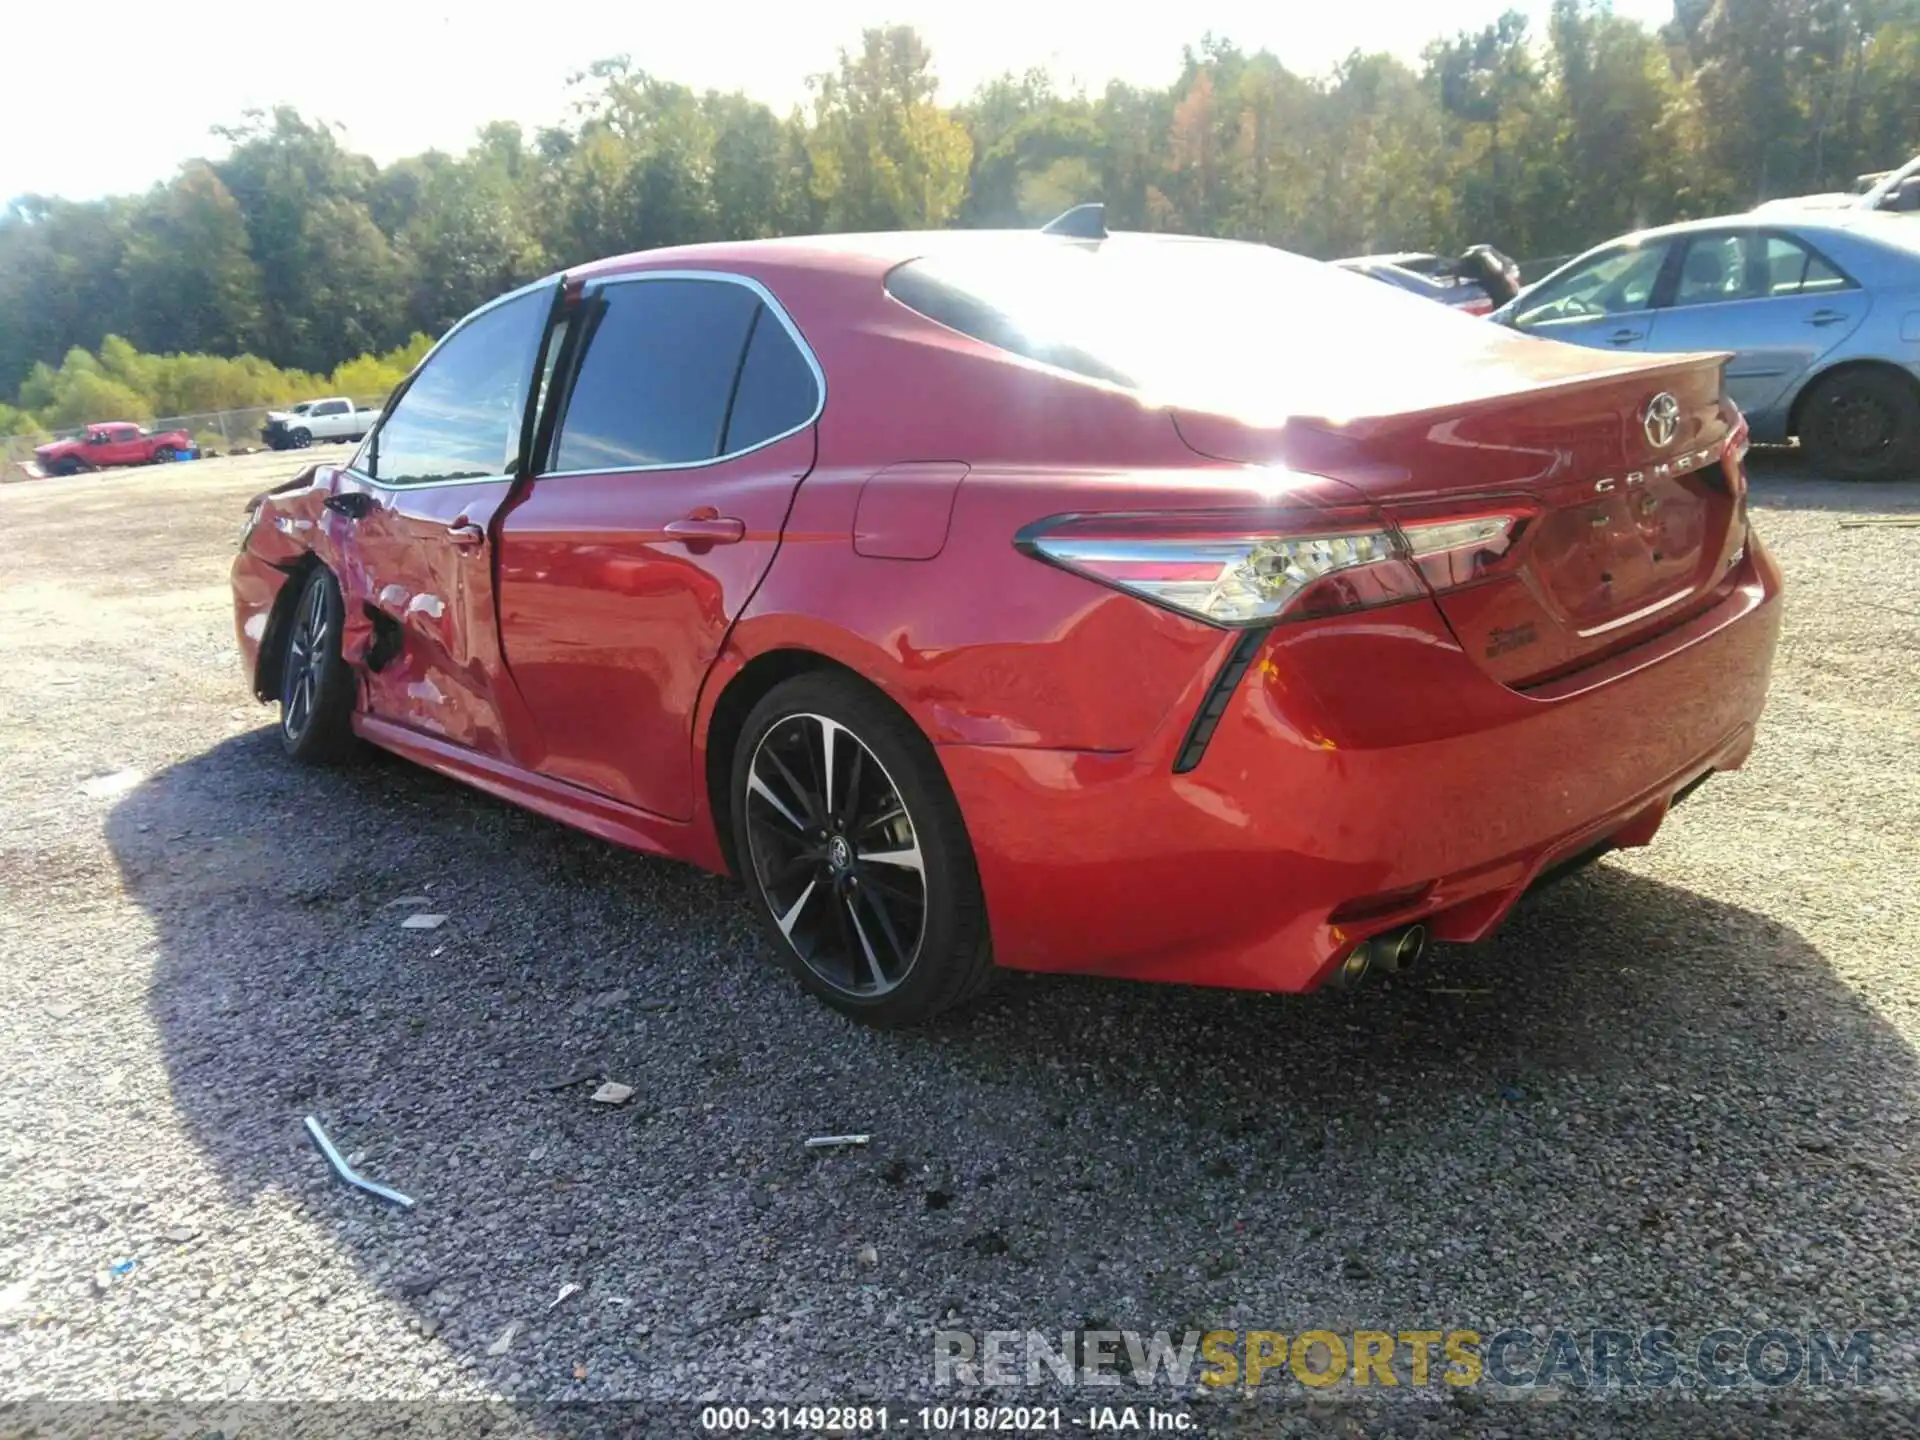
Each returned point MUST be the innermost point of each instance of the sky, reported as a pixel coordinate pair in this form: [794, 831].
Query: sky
[410, 75]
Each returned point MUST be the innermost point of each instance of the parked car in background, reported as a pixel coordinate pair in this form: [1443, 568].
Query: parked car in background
[1222, 624]
[1820, 309]
[1887, 191]
[335, 418]
[1478, 281]
[114, 442]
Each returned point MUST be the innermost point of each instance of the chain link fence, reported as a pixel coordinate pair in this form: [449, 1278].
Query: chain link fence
[215, 432]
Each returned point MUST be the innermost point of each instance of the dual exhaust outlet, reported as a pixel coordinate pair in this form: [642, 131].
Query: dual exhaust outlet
[1389, 953]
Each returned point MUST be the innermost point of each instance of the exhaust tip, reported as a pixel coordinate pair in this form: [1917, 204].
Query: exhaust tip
[1390, 953]
[1401, 949]
[1354, 968]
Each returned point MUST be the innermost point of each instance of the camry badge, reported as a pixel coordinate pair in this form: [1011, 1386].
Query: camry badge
[1662, 420]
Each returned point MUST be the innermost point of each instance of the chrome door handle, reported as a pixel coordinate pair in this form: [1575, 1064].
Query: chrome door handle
[466, 536]
[707, 530]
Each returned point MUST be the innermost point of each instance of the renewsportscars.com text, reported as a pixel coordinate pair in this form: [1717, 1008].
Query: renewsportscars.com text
[1514, 1358]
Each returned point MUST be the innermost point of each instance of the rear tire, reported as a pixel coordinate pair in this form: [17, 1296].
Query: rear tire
[1862, 425]
[852, 849]
[316, 685]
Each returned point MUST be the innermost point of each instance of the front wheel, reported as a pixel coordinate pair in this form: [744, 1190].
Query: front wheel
[851, 845]
[163, 456]
[316, 687]
[300, 439]
[1862, 425]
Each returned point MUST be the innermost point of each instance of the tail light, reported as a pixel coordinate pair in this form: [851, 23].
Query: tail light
[1734, 466]
[1232, 570]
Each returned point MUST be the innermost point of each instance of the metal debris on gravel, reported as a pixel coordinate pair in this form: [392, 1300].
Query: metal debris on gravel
[351, 1176]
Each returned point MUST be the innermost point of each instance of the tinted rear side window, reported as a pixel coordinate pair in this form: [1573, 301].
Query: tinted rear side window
[960, 303]
[656, 376]
[777, 391]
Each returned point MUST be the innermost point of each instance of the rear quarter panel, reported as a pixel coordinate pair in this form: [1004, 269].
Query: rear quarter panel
[980, 643]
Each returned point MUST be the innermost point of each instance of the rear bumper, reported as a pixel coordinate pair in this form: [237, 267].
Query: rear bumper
[1365, 774]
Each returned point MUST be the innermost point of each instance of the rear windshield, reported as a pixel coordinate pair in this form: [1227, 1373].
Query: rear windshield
[1216, 325]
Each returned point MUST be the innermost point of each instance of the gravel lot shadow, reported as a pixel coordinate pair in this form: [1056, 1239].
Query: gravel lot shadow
[1781, 478]
[1638, 1106]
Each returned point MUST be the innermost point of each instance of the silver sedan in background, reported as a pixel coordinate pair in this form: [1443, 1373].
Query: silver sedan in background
[1820, 310]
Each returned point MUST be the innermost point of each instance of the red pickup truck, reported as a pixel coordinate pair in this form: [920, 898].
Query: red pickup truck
[114, 443]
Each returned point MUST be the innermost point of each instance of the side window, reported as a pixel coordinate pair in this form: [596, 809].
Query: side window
[1616, 283]
[655, 376]
[460, 418]
[777, 390]
[330, 407]
[1715, 270]
[1792, 269]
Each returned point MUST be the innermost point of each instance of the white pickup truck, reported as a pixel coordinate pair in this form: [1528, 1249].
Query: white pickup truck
[334, 418]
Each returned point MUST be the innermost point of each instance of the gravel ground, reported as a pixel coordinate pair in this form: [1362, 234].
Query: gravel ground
[1680, 1089]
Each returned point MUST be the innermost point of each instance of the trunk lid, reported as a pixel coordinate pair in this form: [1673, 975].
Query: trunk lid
[1629, 509]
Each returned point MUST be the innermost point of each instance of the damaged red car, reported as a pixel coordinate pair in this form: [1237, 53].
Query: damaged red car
[1113, 604]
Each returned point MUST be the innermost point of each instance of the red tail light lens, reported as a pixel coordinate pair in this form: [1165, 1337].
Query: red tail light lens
[1239, 570]
[1454, 547]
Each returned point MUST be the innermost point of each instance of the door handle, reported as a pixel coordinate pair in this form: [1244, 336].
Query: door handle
[1624, 337]
[466, 536]
[706, 528]
[354, 504]
[1826, 317]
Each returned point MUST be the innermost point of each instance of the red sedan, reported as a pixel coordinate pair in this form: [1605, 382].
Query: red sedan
[1133, 605]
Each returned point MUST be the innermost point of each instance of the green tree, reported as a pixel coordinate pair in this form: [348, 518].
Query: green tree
[332, 283]
[466, 241]
[60, 279]
[885, 157]
[191, 282]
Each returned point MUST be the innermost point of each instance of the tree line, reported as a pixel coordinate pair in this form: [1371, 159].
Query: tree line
[297, 251]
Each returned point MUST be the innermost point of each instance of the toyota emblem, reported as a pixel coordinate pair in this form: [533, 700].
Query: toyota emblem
[1662, 420]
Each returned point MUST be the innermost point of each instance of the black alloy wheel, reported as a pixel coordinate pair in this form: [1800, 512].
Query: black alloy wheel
[316, 687]
[848, 836]
[836, 855]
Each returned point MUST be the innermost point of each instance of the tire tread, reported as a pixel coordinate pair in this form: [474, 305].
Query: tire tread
[964, 969]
